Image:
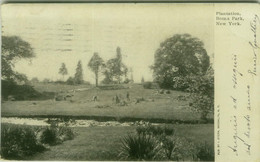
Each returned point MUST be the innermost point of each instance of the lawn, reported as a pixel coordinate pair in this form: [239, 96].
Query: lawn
[102, 143]
[155, 106]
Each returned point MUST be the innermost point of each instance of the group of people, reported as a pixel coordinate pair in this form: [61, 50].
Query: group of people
[116, 99]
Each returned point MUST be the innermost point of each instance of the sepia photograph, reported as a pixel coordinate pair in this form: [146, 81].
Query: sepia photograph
[107, 82]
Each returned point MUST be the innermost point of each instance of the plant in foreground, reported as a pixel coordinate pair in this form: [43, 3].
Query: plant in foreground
[17, 142]
[139, 147]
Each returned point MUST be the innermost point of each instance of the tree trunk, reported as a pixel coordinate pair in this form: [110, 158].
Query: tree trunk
[96, 79]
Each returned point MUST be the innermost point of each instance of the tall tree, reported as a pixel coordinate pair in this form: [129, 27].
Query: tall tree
[13, 49]
[179, 56]
[78, 78]
[63, 70]
[95, 64]
[115, 67]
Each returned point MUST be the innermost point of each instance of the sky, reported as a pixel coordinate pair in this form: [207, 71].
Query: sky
[72, 32]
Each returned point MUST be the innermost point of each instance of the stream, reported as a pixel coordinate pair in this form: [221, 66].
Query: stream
[70, 123]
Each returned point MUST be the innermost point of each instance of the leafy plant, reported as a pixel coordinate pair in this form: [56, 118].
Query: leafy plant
[205, 152]
[139, 147]
[49, 136]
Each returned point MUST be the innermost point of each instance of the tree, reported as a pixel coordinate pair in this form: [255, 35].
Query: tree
[63, 70]
[34, 80]
[95, 63]
[179, 56]
[13, 49]
[115, 68]
[78, 78]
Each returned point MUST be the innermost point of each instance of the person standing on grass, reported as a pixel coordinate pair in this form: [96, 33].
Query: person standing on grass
[127, 96]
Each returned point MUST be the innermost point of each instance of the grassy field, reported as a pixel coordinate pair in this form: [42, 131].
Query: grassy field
[155, 106]
[102, 143]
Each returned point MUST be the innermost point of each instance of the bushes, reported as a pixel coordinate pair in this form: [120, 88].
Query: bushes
[49, 136]
[147, 85]
[17, 142]
[56, 134]
[23, 92]
[150, 85]
[201, 89]
[154, 130]
[202, 95]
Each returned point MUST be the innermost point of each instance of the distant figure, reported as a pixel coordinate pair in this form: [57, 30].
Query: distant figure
[117, 99]
[94, 98]
[127, 96]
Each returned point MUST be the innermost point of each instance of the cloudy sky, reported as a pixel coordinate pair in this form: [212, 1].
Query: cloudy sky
[72, 32]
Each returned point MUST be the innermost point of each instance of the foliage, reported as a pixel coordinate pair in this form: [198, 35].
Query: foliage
[95, 63]
[23, 92]
[147, 85]
[70, 81]
[65, 133]
[63, 70]
[78, 78]
[126, 81]
[202, 95]
[167, 145]
[154, 130]
[204, 152]
[34, 80]
[17, 142]
[49, 136]
[46, 80]
[56, 134]
[139, 147]
[114, 69]
[179, 56]
[13, 49]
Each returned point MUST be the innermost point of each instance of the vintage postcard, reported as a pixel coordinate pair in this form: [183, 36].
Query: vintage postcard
[130, 81]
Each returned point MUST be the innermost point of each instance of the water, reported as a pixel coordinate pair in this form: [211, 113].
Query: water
[71, 123]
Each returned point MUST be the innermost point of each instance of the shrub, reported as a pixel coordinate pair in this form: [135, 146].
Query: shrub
[182, 83]
[139, 147]
[23, 92]
[205, 152]
[70, 81]
[202, 95]
[147, 85]
[65, 133]
[18, 142]
[56, 134]
[49, 136]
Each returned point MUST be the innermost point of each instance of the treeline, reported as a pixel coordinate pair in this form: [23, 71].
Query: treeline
[114, 71]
